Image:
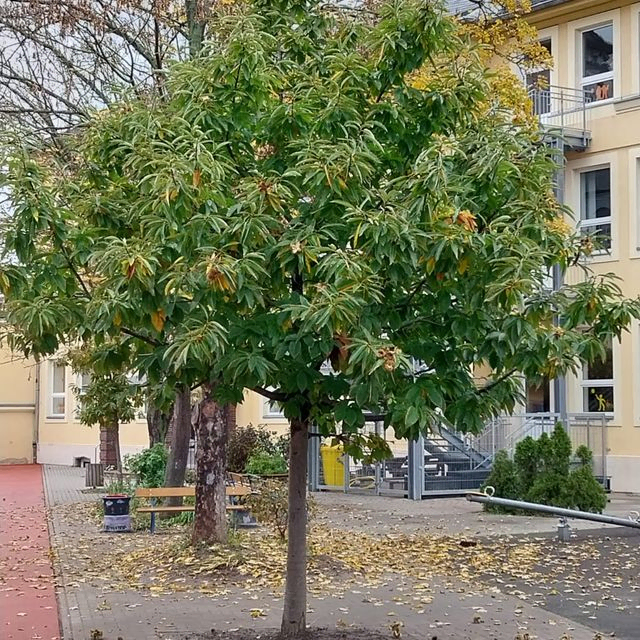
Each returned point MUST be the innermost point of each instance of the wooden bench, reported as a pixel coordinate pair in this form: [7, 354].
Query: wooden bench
[235, 493]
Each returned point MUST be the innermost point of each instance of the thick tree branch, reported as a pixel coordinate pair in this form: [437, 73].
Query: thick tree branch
[497, 381]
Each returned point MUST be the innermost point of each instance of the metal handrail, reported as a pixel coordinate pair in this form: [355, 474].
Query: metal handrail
[561, 107]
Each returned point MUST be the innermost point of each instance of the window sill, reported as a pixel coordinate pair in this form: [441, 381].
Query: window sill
[628, 103]
[601, 259]
[600, 103]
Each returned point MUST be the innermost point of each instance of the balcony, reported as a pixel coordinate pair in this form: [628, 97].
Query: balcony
[564, 113]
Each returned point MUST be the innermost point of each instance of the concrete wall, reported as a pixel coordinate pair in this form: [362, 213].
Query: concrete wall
[17, 408]
[254, 410]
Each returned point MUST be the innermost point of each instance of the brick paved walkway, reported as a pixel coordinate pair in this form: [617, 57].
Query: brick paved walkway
[28, 608]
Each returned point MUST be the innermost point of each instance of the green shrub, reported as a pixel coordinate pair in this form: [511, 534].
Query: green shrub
[526, 459]
[541, 472]
[148, 466]
[584, 492]
[245, 442]
[263, 463]
[504, 479]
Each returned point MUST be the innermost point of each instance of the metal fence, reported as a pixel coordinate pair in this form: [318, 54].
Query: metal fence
[563, 110]
[444, 461]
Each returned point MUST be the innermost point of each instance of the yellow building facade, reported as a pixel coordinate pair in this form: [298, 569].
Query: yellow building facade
[38, 420]
[595, 94]
[596, 50]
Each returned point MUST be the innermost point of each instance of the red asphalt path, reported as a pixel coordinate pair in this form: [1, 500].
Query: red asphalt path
[28, 607]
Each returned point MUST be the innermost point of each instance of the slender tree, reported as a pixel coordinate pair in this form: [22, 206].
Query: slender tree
[297, 200]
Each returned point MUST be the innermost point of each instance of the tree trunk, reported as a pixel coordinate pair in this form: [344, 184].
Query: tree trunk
[210, 523]
[196, 11]
[295, 597]
[157, 424]
[179, 448]
[110, 445]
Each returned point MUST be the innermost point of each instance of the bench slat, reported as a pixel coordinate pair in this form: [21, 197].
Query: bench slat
[161, 509]
[185, 492]
[188, 507]
[165, 492]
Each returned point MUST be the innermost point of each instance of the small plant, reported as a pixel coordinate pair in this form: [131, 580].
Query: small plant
[504, 479]
[245, 442]
[263, 463]
[270, 506]
[148, 466]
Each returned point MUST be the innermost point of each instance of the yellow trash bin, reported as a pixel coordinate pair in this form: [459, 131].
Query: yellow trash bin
[332, 466]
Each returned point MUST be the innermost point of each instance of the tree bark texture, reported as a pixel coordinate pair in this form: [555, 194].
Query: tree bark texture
[179, 448]
[157, 425]
[210, 524]
[110, 445]
[196, 11]
[295, 597]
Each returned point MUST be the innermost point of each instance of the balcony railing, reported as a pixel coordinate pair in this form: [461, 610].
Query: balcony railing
[564, 111]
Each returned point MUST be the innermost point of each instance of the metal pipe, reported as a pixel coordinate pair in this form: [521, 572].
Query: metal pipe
[488, 498]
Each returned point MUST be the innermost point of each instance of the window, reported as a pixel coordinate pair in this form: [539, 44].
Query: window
[597, 63]
[58, 394]
[82, 384]
[538, 396]
[597, 384]
[139, 381]
[595, 206]
[271, 409]
[538, 85]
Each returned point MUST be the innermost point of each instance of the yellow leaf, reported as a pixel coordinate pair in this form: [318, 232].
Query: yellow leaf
[431, 263]
[117, 319]
[463, 265]
[157, 319]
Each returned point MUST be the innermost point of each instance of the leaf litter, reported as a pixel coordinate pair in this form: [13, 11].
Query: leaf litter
[534, 569]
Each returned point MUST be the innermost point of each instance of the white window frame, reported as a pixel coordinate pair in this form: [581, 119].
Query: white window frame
[536, 70]
[550, 34]
[586, 223]
[270, 409]
[56, 395]
[635, 46]
[574, 52]
[572, 175]
[586, 81]
[585, 383]
[634, 201]
[81, 390]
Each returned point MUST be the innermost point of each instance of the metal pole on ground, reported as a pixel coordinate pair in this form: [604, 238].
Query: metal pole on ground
[313, 477]
[415, 471]
[488, 498]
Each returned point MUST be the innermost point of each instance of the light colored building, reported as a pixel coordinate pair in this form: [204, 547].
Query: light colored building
[593, 98]
[38, 420]
[17, 409]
